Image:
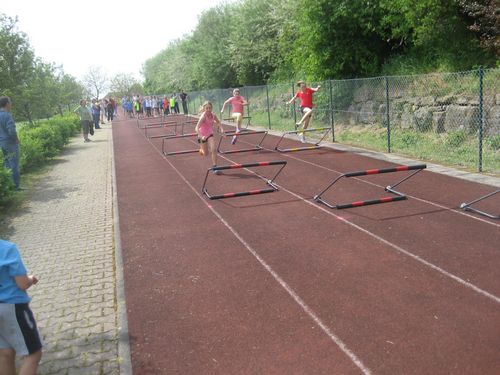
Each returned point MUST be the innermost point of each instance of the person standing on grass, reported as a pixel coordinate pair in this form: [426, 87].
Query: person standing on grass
[9, 141]
[172, 104]
[18, 331]
[176, 105]
[306, 106]
[166, 105]
[184, 102]
[85, 119]
[205, 130]
[237, 110]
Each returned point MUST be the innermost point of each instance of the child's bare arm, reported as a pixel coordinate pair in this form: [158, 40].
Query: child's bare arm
[224, 105]
[317, 88]
[25, 281]
[291, 100]
[219, 125]
[197, 127]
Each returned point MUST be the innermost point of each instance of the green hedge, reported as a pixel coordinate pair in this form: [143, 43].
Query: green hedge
[40, 142]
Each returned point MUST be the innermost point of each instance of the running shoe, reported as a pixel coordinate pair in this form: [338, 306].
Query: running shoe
[235, 138]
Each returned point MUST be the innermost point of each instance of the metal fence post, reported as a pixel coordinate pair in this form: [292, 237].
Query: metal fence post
[481, 119]
[268, 108]
[332, 122]
[388, 117]
[294, 112]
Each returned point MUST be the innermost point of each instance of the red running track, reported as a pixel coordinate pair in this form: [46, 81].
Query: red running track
[277, 284]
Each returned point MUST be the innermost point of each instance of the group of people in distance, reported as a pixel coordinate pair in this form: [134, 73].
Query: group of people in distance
[205, 126]
[154, 106]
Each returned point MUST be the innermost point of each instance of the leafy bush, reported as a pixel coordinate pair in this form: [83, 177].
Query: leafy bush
[455, 139]
[40, 142]
[6, 183]
[494, 142]
[45, 139]
[409, 139]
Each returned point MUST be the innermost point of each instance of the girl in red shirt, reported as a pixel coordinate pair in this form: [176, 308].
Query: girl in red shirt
[306, 105]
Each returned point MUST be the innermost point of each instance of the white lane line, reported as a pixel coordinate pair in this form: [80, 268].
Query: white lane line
[365, 370]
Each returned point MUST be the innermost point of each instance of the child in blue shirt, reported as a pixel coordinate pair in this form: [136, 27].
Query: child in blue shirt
[18, 332]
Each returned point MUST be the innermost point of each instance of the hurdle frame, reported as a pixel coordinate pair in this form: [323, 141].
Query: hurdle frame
[270, 182]
[317, 145]
[244, 132]
[189, 151]
[248, 117]
[467, 206]
[398, 195]
[167, 124]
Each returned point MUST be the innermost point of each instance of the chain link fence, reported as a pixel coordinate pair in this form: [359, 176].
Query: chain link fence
[447, 118]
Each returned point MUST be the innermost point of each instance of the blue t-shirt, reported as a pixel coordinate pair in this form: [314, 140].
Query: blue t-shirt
[11, 265]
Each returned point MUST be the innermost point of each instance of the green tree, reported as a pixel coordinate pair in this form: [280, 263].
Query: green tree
[17, 60]
[95, 81]
[124, 84]
[69, 92]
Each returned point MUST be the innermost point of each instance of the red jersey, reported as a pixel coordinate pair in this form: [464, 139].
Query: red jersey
[306, 98]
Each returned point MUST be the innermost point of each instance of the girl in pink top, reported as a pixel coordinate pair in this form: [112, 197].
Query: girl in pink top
[205, 130]
[237, 111]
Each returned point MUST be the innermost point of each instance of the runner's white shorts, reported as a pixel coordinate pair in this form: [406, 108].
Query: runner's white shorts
[18, 329]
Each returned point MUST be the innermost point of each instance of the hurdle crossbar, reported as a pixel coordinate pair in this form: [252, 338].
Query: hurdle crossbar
[172, 124]
[398, 195]
[317, 145]
[257, 147]
[168, 153]
[273, 186]
[468, 206]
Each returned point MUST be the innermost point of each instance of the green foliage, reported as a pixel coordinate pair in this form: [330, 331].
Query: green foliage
[37, 89]
[455, 139]
[44, 140]
[253, 42]
[410, 138]
[494, 142]
[6, 183]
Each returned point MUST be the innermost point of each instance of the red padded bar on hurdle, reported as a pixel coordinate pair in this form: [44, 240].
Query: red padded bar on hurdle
[385, 170]
[242, 193]
[259, 164]
[370, 202]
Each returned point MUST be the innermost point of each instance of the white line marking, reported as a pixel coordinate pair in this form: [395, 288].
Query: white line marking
[268, 268]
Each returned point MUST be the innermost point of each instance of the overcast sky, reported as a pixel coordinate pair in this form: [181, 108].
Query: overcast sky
[118, 36]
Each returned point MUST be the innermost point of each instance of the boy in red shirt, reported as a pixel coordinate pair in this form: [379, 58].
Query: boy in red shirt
[306, 105]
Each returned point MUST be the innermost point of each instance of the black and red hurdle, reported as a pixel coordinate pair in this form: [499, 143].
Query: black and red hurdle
[398, 196]
[316, 145]
[270, 182]
[181, 152]
[242, 133]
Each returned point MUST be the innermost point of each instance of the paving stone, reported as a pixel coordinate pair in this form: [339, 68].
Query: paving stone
[66, 239]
